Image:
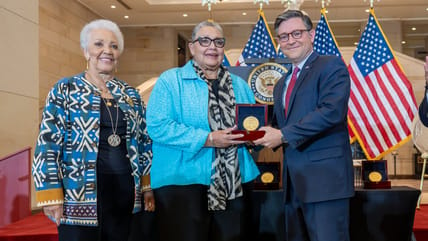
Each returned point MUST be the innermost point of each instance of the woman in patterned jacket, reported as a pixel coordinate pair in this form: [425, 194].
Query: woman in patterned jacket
[93, 155]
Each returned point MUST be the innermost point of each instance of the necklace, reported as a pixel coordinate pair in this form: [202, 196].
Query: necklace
[101, 89]
[114, 139]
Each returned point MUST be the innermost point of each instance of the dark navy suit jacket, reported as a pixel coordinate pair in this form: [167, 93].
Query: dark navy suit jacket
[423, 110]
[318, 155]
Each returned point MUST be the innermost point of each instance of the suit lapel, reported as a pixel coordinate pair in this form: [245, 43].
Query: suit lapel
[280, 96]
[306, 68]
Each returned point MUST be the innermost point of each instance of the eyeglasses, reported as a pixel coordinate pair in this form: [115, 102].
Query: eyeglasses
[205, 42]
[296, 34]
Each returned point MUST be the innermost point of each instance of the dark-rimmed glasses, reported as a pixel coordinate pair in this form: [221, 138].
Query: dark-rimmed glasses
[296, 34]
[205, 41]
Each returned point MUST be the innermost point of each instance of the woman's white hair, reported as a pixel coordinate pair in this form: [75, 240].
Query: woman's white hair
[100, 24]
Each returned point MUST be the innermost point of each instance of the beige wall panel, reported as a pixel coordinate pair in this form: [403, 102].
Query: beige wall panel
[48, 36]
[60, 56]
[23, 8]
[237, 35]
[20, 54]
[393, 32]
[19, 122]
[148, 52]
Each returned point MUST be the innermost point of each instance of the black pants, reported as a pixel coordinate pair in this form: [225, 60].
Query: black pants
[182, 215]
[115, 201]
[318, 221]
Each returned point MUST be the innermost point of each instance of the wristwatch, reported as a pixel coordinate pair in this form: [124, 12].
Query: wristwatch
[283, 140]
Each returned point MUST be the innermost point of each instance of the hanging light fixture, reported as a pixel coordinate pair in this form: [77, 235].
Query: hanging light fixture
[293, 4]
[261, 3]
[324, 3]
[371, 2]
[208, 2]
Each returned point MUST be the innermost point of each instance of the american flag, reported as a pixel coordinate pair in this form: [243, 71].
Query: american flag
[325, 44]
[260, 44]
[226, 62]
[382, 104]
[279, 53]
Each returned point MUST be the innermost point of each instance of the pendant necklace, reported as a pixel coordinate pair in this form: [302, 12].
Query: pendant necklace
[114, 139]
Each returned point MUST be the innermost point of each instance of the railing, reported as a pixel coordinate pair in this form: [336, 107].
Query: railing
[15, 181]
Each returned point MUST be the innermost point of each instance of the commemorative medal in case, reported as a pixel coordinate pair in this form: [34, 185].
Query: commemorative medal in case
[249, 118]
[375, 174]
[269, 177]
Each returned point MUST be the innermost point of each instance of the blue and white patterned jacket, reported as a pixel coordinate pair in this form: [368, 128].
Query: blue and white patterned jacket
[64, 164]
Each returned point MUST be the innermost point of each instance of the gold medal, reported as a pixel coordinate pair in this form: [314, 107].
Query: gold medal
[267, 177]
[251, 123]
[375, 176]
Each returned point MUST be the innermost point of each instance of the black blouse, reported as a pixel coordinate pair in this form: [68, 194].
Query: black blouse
[112, 160]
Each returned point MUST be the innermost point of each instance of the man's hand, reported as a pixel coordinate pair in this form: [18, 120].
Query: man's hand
[271, 139]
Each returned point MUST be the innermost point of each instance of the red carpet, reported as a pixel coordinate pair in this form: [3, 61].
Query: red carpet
[420, 225]
[33, 228]
[40, 228]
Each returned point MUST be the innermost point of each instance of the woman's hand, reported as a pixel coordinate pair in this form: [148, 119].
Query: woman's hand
[54, 213]
[224, 138]
[149, 201]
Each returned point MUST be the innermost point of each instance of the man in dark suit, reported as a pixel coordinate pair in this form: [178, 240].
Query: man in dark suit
[310, 113]
[423, 107]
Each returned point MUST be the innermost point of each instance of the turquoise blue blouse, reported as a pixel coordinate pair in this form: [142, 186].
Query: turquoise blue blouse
[177, 123]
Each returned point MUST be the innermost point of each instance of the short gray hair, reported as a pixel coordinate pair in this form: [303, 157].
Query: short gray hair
[100, 24]
[206, 24]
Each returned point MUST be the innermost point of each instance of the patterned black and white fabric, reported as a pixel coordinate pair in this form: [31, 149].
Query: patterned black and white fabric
[225, 174]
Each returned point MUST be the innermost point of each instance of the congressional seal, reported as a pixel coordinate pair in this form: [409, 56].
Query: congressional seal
[262, 80]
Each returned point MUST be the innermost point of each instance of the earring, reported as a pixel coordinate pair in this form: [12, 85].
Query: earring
[87, 64]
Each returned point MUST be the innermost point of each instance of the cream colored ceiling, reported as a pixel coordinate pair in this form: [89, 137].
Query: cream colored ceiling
[346, 17]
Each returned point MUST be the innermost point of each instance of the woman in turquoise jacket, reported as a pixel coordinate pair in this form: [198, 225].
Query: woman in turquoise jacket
[199, 170]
